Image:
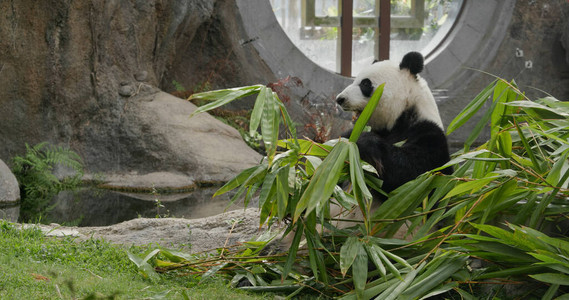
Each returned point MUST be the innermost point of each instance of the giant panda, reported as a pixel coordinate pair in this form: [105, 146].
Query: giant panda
[407, 136]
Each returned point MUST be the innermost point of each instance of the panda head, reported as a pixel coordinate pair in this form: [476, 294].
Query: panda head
[404, 89]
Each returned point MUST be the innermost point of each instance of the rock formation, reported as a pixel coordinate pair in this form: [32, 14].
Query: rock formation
[85, 74]
[199, 235]
[9, 194]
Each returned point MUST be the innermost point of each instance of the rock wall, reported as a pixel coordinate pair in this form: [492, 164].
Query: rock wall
[531, 53]
[73, 72]
[565, 41]
[536, 29]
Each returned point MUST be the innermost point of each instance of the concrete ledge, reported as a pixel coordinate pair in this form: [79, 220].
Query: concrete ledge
[280, 54]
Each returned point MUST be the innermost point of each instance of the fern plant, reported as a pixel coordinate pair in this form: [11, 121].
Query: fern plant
[38, 183]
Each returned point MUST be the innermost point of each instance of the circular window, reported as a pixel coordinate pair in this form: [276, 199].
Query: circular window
[314, 26]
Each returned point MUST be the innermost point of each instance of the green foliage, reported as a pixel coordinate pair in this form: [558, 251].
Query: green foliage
[503, 205]
[178, 86]
[38, 183]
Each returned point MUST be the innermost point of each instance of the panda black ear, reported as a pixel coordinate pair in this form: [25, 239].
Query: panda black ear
[413, 61]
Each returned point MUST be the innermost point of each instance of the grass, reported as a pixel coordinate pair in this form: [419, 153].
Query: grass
[33, 266]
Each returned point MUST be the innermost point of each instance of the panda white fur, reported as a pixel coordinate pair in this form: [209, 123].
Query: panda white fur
[407, 115]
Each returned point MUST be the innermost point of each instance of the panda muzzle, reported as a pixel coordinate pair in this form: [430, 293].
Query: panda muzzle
[341, 101]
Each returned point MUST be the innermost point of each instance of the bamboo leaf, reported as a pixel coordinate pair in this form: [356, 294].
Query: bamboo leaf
[360, 190]
[557, 243]
[258, 109]
[282, 190]
[536, 165]
[214, 270]
[175, 256]
[471, 108]
[396, 258]
[505, 144]
[293, 249]
[142, 263]
[437, 276]
[392, 269]
[461, 158]
[395, 290]
[312, 163]
[223, 97]
[286, 118]
[552, 278]
[440, 290]
[551, 291]
[372, 251]
[308, 147]
[251, 191]
[348, 253]
[469, 186]
[315, 257]
[500, 97]
[270, 127]
[539, 110]
[267, 188]
[530, 237]
[551, 258]
[343, 198]
[408, 196]
[499, 233]
[324, 181]
[213, 95]
[465, 295]
[359, 271]
[366, 114]
[496, 197]
[257, 175]
[510, 272]
[482, 123]
[240, 179]
[560, 167]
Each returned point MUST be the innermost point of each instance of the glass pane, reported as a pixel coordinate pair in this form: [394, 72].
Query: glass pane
[412, 28]
[363, 48]
[326, 8]
[401, 7]
[313, 28]
[318, 43]
[439, 16]
[364, 8]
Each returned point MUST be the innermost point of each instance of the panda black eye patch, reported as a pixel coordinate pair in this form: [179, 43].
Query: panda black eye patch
[366, 87]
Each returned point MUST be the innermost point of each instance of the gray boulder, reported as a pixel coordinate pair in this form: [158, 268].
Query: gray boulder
[202, 147]
[9, 194]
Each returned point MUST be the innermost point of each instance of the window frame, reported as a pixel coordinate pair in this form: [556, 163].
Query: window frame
[381, 22]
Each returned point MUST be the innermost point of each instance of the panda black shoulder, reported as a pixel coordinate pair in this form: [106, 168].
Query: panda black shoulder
[413, 61]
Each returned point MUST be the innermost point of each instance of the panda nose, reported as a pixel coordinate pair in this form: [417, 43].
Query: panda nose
[340, 100]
